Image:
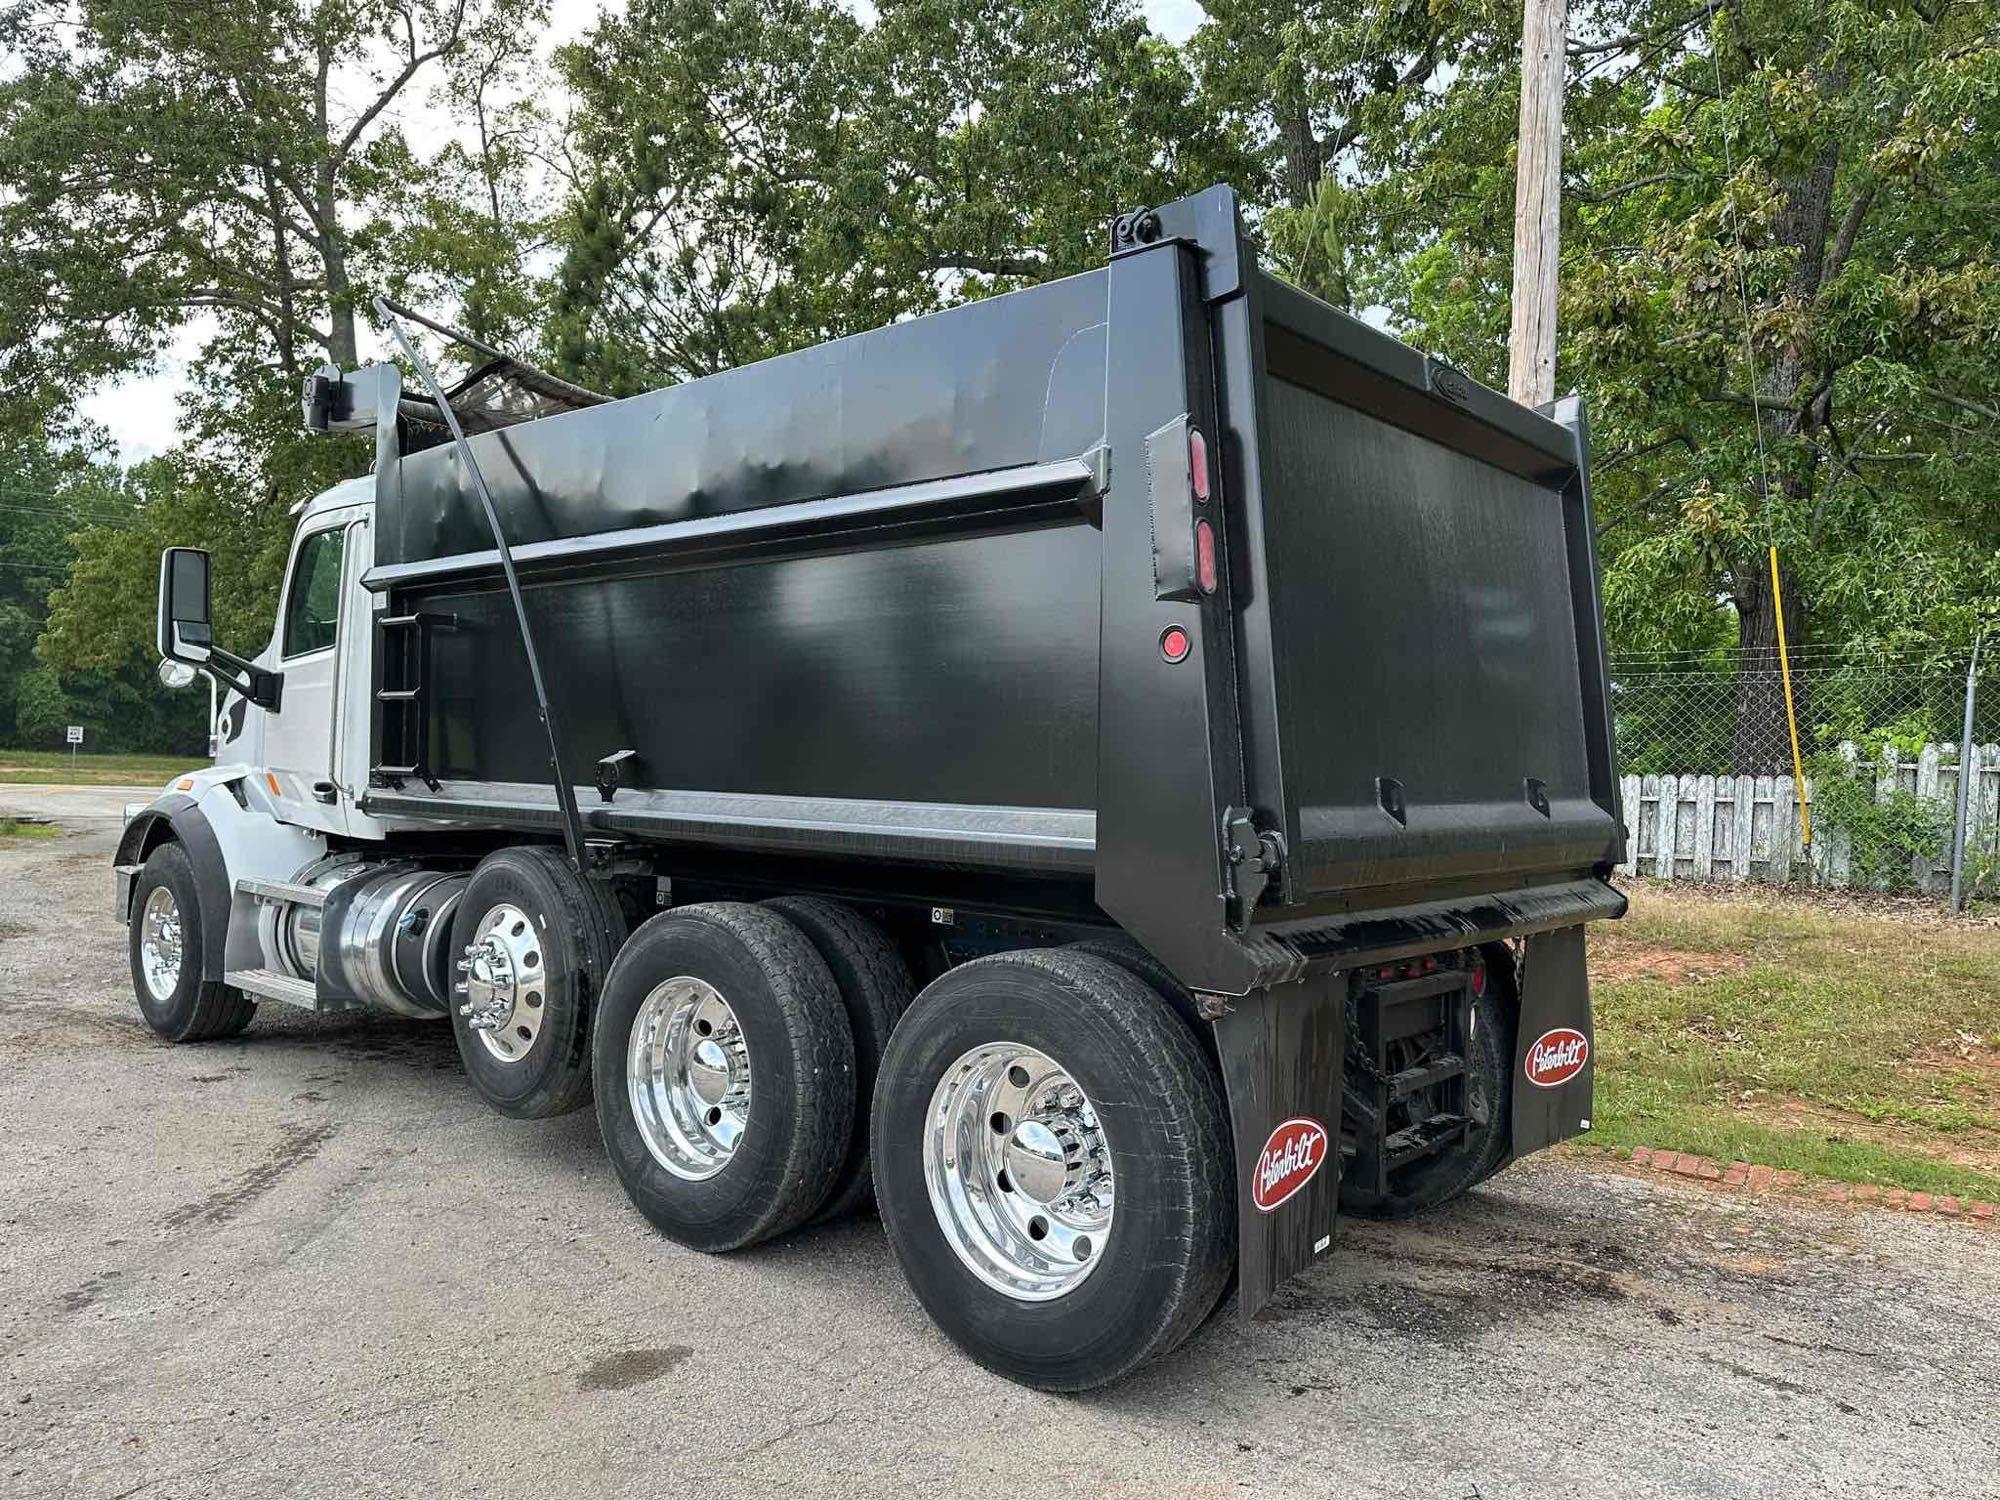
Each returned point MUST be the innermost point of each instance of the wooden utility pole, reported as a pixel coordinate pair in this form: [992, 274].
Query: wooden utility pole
[1531, 346]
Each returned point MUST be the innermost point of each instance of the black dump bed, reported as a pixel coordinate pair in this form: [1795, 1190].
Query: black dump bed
[935, 598]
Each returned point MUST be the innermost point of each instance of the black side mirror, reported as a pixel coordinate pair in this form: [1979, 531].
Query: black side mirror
[184, 633]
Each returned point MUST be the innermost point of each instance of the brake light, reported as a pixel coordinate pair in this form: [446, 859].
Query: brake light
[1198, 464]
[1204, 556]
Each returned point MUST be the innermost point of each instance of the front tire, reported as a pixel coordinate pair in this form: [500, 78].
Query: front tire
[725, 1075]
[164, 943]
[1026, 1100]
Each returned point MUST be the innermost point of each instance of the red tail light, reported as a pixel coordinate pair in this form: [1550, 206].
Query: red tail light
[1198, 464]
[1204, 556]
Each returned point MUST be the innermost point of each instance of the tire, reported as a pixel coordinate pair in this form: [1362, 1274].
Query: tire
[876, 988]
[1453, 1172]
[1137, 962]
[563, 935]
[797, 1059]
[1170, 1246]
[176, 1001]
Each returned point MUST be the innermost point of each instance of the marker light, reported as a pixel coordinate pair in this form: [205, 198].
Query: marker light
[1204, 556]
[1198, 464]
[1174, 643]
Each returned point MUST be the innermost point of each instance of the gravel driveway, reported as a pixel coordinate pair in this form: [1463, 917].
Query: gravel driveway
[310, 1262]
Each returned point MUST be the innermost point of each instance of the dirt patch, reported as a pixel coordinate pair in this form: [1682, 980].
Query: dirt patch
[1914, 911]
[1978, 1149]
[1617, 959]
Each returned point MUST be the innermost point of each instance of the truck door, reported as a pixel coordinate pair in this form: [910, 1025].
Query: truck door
[300, 740]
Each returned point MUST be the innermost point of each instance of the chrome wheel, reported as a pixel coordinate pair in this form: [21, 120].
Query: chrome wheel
[160, 943]
[505, 983]
[687, 1074]
[1019, 1171]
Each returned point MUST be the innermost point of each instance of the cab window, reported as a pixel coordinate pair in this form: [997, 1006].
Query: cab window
[313, 609]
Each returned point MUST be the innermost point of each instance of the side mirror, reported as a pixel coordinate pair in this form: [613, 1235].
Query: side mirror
[184, 633]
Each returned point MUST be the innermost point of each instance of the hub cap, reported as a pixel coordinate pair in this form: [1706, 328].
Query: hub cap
[1019, 1171]
[504, 984]
[160, 943]
[687, 1075]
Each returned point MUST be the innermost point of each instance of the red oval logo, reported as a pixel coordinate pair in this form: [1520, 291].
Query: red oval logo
[1288, 1161]
[1557, 1056]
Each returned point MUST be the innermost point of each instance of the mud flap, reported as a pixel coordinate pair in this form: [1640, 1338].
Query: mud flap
[1554, 1052]
[1282, 1053]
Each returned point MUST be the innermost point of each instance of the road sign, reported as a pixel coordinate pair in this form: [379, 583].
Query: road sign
[75, 734]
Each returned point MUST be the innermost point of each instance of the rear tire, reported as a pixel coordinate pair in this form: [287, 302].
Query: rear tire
[1151, 1103]
[876, 988]
[1137, 962]
[725, 1075]
[546, 936]
[164, 943]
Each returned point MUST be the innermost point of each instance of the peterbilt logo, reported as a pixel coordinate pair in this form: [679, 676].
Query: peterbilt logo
[1557, 1056]
[1294, 1152]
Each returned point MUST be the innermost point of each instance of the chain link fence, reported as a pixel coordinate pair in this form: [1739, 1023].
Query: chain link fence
[1705, 747]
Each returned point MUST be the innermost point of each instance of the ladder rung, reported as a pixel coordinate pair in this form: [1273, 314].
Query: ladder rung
[1410, 1080]
[1423, 1138]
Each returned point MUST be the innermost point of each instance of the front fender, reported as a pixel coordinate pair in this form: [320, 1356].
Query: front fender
[225, 825]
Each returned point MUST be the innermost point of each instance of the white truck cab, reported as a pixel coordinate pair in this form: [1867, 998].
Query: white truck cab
[310, 751]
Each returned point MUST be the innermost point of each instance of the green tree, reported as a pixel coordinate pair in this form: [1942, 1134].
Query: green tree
[239, 171]
[762, 174]
[1779, 292]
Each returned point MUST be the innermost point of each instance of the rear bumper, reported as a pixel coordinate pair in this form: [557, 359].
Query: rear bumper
[1292, 948]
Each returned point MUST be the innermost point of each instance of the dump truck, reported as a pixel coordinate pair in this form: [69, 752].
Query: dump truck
[1113, 775]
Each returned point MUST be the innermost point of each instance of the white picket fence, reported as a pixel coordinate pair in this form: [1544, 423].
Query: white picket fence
[1747, 827]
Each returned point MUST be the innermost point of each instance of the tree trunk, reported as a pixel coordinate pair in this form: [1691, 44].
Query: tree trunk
[341, 345]
[1763, 739]
[281, 261]
[1763, 742]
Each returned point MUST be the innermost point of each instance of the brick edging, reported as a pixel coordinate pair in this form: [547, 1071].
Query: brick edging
[1763, 1179]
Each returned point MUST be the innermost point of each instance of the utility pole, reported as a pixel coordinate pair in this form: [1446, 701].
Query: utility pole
[1531, 346]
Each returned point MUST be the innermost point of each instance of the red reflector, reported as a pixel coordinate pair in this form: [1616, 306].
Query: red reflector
[1204, 556]
[1174, 643]
[1198, 463]
[1478, 980]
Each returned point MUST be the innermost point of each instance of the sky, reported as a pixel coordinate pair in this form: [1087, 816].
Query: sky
[142, 411]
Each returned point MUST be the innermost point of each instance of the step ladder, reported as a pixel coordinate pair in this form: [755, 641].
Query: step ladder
[402, 653]
[1393, 1006]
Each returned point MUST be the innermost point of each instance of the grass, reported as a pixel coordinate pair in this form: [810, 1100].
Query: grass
[13, 829]
[53, 767]
[1857, 1046]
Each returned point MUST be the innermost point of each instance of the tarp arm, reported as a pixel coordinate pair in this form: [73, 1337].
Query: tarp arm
[565, 789]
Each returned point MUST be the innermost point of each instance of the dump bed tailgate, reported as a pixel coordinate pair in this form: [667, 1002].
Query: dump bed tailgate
[1436, 666]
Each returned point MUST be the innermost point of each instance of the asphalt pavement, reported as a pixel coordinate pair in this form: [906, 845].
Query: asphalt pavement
[310, 1262]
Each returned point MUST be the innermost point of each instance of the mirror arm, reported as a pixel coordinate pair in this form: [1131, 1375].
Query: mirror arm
[262, 687]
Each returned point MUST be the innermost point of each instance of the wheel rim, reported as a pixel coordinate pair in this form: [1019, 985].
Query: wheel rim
[1019, 1171]
[160, 943]
[506, 983]
[687, 1074]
